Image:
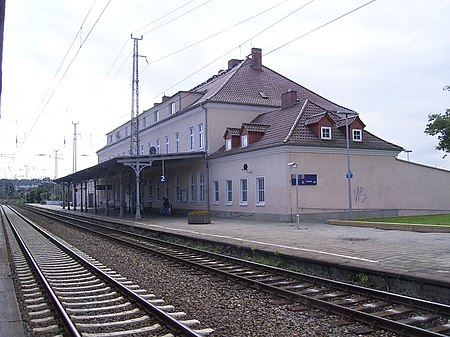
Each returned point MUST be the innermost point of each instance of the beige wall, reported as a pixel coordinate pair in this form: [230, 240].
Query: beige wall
[221, 116]
[381, 183]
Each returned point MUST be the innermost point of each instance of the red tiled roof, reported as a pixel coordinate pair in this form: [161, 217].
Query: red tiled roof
[243, 84]
[254, 127]
[283, 130]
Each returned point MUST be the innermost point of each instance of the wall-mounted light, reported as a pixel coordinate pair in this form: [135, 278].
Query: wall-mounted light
[245, 168]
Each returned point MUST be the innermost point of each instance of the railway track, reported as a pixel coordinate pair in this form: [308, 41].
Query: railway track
[69, 293]
[401, 314]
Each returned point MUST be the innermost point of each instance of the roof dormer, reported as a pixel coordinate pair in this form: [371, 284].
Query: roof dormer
[321, 125]
[355, 127]
[231, 137]
[251, 132]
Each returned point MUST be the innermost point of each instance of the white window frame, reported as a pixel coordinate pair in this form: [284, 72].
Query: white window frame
[178, 189]
[323, 132]
[201, 188]
[228, 192]
[177, 142]
[244, 140]
[357, 135]
[167, 143]
[228, 144]
[243, 192]
[191, 139]
[201, 138]
[258, 200]
[172, 108]
[156, 116]
[192, 188]
[158, 146]
[216, 192]
[144, 122]
[126, 131]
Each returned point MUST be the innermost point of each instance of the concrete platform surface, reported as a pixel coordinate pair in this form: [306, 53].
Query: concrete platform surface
[10, 320]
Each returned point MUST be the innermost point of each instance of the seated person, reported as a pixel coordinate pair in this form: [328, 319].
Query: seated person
[166, 209]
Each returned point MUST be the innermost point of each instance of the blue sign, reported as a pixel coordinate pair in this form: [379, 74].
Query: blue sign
[304, 179]
[163, 179]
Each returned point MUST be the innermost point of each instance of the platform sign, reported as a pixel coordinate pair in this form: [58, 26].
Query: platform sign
[304, 179]
[163, 179]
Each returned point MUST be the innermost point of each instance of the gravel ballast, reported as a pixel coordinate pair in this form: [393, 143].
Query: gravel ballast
[230, 309]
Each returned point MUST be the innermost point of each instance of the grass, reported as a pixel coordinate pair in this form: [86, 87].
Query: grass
[437, 219]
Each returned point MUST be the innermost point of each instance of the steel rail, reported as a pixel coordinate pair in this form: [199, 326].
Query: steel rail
[59, 307]
[380, 322]
[149, 307]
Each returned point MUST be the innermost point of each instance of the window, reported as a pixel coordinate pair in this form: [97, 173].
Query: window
[149, 146]
[178, 189]
[167, 142]
[191, 138]
[172, 108]
[126, 131]
[357, 135]
[201, 188]
[200, 136]
[144, 122]
[244, 140]
[156, 116]
[177, 142]
[228, 144]
[158, 147]
[192, 188]
[260, 191]
[216, 192]
[110, 139]
[243, 192]
[229, 186]
[325, 132]
[142, 149]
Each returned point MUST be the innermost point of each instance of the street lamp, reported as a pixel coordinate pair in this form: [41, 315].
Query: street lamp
[294, 165]
[407, 153]
[349, 174]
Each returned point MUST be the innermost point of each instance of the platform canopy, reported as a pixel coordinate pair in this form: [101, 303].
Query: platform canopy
[117, 164]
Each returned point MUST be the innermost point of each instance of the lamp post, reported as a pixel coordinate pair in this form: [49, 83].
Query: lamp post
[349, 174]
[297, 216]
[407, 153]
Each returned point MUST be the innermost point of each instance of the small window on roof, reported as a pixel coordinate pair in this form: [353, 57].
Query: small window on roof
[263, 95]
[325, 132]
[244, 140]
[357, 135]
[228, 145]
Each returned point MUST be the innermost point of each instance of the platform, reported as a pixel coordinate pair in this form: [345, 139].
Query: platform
[424, 255]
[412, 254]
[10, 320]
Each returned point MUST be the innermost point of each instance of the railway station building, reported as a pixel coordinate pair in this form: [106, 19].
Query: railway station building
[236, 144]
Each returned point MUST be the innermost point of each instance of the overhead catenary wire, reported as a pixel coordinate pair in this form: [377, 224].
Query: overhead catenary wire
[229, 51]
[275, 49]
[29, 130]
[148, 24]
[319, 27]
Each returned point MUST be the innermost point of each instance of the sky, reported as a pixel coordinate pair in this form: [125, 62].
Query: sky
[68, 63]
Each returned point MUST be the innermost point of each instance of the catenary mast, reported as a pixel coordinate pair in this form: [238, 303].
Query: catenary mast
[134, 142]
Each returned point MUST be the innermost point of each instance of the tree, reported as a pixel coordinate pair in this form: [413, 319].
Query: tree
[439, 124]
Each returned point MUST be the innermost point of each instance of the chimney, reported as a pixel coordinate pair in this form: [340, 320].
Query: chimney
[233, 63]
[288, 99]
[257, 58]
[164, 98]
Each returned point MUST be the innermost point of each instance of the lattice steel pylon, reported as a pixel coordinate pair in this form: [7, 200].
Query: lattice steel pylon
[134, 140]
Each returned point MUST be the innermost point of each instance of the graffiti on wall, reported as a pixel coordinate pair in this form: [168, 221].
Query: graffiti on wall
[360, 194]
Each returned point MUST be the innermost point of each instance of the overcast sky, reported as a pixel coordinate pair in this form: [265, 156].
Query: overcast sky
[69, 61]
